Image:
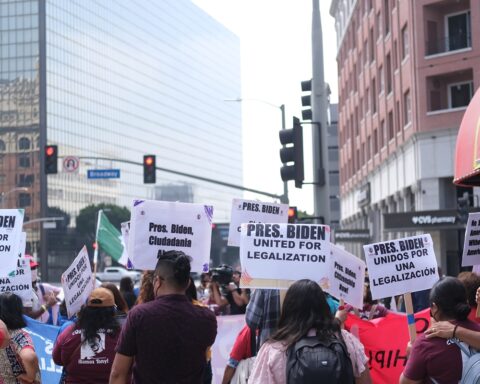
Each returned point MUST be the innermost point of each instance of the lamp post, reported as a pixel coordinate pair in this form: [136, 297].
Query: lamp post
[3, 195]
[284, 197]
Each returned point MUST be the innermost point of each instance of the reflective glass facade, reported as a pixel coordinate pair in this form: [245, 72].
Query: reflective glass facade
[123, 78]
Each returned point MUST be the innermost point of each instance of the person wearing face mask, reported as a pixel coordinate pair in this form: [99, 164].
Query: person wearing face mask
[165, 339]
[44, 305]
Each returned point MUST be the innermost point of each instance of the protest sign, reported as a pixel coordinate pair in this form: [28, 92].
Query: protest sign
[347, 277]
[399, 266]
[77, 282]
[19, 281]
[124, 259]
[471, 245]
[285, 252]
[22, 244]
[44, 336]
[248, 211]
[11, 222]
[159, 226]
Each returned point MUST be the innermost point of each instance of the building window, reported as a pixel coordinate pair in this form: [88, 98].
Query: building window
[407, 108]
[3, 147]
[24, 200]
[365, 51]
[460, 94]
[375, 141]
[374, 96]
[25, 180]
[372, 46]
[389, 73]
[381, 83]
[383, 134]
[458, 31]
[386, 13]
[24, 161]
[405, 42]
[391, 126]
[367, 100]
[369, 147]
[24, 143]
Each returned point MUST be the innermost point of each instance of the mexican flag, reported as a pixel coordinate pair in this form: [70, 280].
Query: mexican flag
[109, 238]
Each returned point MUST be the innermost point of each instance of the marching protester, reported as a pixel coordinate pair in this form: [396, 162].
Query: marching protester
[240, 362]
[126, 289]
[471, 281]
[121, 307]
[146, 288]
[203, 289]
[436, 358]
[165, 339]
[306, 320]
[44, 305]
[18, 360]
[86, 349]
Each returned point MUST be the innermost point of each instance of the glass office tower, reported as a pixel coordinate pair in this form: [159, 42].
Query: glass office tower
[110, 80]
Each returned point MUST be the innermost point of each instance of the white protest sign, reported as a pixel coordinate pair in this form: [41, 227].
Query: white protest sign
[348, 277]
[19, 281]
[248, 211]
[400, 266]
[285, 251]
[159, 226]
[471, 245]
[125, 229]
[11, 222]
[77, 282]
[22, 244]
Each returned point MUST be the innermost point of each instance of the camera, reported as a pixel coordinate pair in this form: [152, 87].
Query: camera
[222, 274]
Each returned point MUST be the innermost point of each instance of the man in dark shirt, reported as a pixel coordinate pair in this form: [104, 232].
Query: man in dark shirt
[165, 339]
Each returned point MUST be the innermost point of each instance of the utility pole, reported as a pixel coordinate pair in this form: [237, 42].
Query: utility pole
[321, 186]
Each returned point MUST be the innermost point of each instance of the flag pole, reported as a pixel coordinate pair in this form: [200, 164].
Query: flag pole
[95, 251]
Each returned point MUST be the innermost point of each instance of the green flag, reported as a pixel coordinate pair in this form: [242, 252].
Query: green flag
[109, 238]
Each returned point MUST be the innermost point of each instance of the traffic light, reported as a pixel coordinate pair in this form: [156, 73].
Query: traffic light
[51, 159]
[149, 169]
[307, 100]
[292, 154]
[292, 215]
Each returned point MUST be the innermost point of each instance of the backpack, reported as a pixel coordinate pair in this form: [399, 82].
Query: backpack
[311, 361]
[471, 364]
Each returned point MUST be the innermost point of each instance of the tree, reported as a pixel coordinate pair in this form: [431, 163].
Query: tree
[86, 221]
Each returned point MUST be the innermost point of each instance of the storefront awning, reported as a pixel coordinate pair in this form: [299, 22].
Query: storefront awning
[467, 153]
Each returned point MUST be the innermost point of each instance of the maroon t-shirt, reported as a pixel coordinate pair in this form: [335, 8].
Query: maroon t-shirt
[85, 362]
[437, 358]
[168, 338]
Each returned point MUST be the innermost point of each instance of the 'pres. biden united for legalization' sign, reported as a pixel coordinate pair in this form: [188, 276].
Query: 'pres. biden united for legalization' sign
[400, 266]
[285, 251]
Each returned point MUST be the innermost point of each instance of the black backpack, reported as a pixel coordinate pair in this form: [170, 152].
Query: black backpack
[312, 361]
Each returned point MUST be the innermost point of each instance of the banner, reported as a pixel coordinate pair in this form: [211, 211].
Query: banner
[471, 245]
[399, 266]
[77, 282]
[19, 281]
[285, 251]
[228, 328]
[248, 211]
[109, 238]
[385, 340]
[158, 226]
[347, 277]
[11, 223]
[44, 336]
[125, 230]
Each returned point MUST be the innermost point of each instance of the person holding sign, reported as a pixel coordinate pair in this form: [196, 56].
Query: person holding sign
[165, 339]
[436, 358]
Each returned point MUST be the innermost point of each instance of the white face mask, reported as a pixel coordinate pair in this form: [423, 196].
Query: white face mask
[34, 275]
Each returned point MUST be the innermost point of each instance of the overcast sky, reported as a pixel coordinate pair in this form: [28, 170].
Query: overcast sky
[275, 38]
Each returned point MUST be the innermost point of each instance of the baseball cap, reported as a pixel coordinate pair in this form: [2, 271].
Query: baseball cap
[101, 297]
[33, 263]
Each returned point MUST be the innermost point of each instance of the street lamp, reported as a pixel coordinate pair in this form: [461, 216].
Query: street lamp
[284, 198]
[3, 195]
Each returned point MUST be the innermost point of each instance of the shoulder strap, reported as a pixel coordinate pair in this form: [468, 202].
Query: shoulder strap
[462, 347]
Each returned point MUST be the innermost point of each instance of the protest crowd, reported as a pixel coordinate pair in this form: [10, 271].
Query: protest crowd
[294, 310]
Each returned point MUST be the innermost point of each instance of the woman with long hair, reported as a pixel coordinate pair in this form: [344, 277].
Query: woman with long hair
[305, 312]
[87, 348]
[126, 289]
[436, 358]
[121, 306]
[18, 361]
[146, 288]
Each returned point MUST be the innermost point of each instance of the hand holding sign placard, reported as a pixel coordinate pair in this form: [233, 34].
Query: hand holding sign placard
[159, 226]
[249, 211]
[77, 282]
[285, 251]
[11, 222]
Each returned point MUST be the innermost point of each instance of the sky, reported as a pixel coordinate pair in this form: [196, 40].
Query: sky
[275, 40]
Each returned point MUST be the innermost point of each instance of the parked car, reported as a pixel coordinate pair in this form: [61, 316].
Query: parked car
[115, 274]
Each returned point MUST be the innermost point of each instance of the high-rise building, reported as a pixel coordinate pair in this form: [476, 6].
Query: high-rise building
[114, 80]
[407, 71]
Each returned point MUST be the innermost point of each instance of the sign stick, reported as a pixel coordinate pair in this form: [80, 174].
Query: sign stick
[95, 251]
[407, 297]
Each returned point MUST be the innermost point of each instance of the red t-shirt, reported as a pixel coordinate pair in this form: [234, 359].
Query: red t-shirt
[437, 358]
[85, 362]
[242, 348]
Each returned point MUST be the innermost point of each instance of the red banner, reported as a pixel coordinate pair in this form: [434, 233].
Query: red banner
[385, 340]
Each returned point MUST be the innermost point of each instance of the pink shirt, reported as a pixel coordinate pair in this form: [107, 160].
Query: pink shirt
[271, 362]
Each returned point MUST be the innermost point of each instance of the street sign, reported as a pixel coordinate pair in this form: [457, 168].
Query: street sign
[71, 164]
[103, 174]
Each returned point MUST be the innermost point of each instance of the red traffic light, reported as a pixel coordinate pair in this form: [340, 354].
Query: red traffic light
[149, 160]
[292, 214]
[50, 150]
